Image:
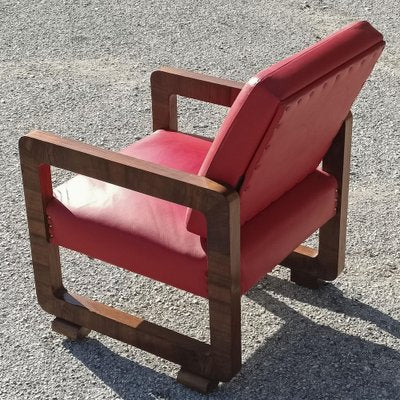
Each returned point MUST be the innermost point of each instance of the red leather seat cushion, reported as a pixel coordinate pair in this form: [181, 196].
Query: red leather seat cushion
[132, 230]
[149, 236]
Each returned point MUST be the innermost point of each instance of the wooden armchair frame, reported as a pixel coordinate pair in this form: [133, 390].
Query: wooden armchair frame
[202, 365]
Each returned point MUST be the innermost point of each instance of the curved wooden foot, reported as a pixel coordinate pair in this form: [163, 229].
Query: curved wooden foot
[302, 279]
[196, 382]
[68, 329]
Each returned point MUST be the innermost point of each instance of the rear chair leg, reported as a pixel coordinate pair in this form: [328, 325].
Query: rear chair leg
[305, 280]
[308, 266]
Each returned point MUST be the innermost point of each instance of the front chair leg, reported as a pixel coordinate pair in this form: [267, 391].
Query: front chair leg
[68, 329]
[223, 259]
[45, 256]
[196, 382]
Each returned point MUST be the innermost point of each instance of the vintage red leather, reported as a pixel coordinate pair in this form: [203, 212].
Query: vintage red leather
[285, 118]
[149, 236]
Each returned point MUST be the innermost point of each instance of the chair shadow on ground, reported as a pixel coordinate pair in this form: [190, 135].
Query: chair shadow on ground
[127, 378]
[302, 360]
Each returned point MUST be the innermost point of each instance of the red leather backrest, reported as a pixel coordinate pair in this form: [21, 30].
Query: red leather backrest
[285, 118]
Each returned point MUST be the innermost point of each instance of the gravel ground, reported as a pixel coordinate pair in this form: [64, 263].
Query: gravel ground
[81, 69]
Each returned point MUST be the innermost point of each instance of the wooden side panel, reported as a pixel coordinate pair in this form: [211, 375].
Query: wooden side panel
[45, 256]
[218, 361]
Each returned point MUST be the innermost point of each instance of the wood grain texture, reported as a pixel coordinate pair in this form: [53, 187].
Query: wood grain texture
[167, 83]
[328, 262]
[68, 329]
[215, 362]
[332, 235]
[44, 148]
[196, 382]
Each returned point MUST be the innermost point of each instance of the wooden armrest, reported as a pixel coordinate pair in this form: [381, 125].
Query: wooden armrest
[196, 86]
[41, 148]
[167, 83]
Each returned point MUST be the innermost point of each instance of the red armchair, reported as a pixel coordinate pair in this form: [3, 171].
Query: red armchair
[212, 218]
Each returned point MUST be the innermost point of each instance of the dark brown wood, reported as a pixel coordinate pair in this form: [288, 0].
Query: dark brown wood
[218, 361]
[306, 251]
[135, 331]
[327, 262]
[301, 278]
[68, 329]
[332, 235]
[167, 83]
[142, 176]
[196, 382]
[223, 253]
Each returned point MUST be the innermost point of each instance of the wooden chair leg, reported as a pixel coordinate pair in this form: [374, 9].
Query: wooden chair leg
[196, 382]
[306, 280]
[307, 265]
[332, 236]
[68, 329]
